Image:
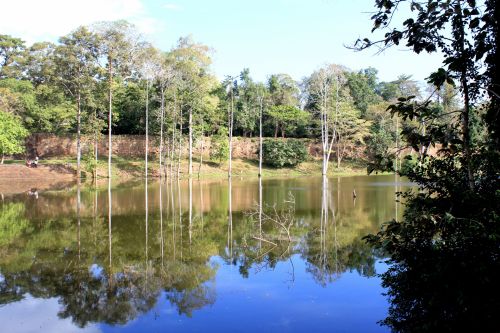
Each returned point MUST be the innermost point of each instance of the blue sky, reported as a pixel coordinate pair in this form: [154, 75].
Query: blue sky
[273, 36]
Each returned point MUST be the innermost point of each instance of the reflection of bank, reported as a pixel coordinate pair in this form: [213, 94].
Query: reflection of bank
[328, 247]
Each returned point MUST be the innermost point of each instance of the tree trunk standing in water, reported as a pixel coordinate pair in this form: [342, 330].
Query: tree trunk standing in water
[147, 133]
[109, 230]
[78, 133]
[95, 146]
[260, 212]
[201, 149]
[230, 220]
[260, 137]
[335, 134]
[172, 147]
[110, 114]
[190, 124]
[162, 117]
[230, 125]
[179, 155]
[190, 231]
[161, 225]
[78, 206]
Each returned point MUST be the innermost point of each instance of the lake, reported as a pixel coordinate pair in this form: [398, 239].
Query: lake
[282, 255]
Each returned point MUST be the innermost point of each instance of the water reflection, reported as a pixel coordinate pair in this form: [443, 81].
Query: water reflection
[113, 276]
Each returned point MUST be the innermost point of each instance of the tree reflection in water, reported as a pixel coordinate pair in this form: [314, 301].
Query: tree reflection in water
[110, 274]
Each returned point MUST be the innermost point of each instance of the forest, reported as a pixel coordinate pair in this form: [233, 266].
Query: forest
[106, 78]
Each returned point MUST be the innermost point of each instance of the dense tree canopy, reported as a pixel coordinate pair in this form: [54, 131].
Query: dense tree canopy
[107, 73]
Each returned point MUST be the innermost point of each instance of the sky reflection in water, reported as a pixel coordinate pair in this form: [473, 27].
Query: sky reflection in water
[60, 274]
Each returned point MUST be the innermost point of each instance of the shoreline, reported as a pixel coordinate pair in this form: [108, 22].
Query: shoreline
[58, 174]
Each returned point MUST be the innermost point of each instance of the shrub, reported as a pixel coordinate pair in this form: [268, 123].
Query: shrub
[219, 149]
[280, 153]
[408, 164]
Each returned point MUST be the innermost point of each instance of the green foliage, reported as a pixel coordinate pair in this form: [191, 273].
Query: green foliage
[12, 222]
[42, 109]
[12, 134]
[362, 86]
[283, 153]
[444, 254]
[11, 50]
[129, 103]
[89, 162]
[408, 165]
[219, 149]
[287, 118]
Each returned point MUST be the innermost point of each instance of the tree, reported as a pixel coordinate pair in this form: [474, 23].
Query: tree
[11, 51]
[326, 89]
[12, 134]
[230, 84]
[362, 87]
[192, 61]
[351, 130]
[247, 106]
[444, 254]
[166, 76]
[43, 109]
[283, 91]
[120, 43]
[38, 63]
[149, 65]
[287, 118]
[76, 64]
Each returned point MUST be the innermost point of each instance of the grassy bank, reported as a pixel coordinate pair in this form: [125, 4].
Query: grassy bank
[134, 168]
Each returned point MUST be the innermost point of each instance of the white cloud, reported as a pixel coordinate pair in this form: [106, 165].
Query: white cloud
[35, 20]
[172, 6]
[38, 315]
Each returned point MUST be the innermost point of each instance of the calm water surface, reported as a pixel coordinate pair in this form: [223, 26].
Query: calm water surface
[196, 256]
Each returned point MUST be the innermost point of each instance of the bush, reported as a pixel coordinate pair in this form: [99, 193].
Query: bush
[408, 164]
[219, 150]
[280, 153]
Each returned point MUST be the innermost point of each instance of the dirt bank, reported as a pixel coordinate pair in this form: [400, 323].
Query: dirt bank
[17, 178]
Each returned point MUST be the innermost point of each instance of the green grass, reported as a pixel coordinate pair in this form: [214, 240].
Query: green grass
[129, 168]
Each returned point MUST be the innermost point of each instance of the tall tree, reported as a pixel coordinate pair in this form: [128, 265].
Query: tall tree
[12, 134]
[149, 65]
[76, 66]
[326, 90]
[11, 52]
[192, 61]
[120, 45]
[445, 251]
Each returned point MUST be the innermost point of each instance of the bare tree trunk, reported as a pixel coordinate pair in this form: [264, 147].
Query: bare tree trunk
[109, 229]
[230, 169]
[260, 140]
[147, 133]
[162, 116]
[201, 150]
[95, 146]
[180, 147]
[230, 220]
[172, 152]
[110, 115]
[260, 211]
[190, 231]
[78, 139]
[190, 170]
[78, 206]
[397, 144]
[161, 221]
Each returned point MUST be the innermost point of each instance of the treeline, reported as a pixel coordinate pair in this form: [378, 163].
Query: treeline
[105, 78]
